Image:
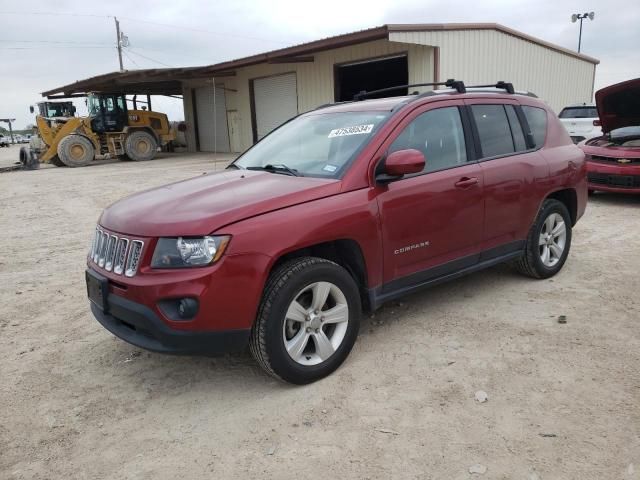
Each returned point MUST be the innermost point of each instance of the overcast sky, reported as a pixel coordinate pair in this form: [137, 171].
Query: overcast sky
[39, 52]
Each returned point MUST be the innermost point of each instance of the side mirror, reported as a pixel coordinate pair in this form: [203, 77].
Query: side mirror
[31, 108]
[400, 163]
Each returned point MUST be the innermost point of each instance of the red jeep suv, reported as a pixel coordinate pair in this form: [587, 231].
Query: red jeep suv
[338, 211]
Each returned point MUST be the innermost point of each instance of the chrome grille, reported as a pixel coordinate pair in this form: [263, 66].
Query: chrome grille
[114, 253]
[134, 258]
[103, 249]
[120, 256]
[111, 251]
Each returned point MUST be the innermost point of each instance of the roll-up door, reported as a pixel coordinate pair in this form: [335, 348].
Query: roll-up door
[275, 100]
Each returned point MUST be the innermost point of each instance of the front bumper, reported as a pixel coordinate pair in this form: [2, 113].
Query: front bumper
[140, 326]
[613, 178]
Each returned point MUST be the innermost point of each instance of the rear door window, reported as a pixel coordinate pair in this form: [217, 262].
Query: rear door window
[493, 129]
[537, 120]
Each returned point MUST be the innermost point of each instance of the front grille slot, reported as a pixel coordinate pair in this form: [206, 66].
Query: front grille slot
[114, 253]
[103, 249]
[133, 259]
[120, 256]
[111, 252]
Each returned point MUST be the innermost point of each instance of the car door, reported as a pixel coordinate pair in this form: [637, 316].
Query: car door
[512, 169]
[431, 221]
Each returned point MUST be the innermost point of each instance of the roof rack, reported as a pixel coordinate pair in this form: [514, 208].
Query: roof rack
[503, 85]
[458, 85]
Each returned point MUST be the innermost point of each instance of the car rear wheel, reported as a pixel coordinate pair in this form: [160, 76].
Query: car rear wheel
[140, 145]
[548, 243]
[308, 320]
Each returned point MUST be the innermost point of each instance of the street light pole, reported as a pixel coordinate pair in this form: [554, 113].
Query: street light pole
[578, 16]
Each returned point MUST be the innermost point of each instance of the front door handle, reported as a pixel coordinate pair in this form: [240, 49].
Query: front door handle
[466, 182]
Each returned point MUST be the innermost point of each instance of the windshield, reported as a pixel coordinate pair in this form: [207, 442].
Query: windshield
[579, 112]
[58, 109]
[315, 145]
[625, 132]
[93, 105]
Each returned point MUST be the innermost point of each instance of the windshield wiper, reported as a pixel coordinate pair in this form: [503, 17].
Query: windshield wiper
[278, 168]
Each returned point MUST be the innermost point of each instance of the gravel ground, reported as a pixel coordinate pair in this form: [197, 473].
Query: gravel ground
[563, 398]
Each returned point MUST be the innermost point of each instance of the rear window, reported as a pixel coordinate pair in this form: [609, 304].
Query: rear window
[537, 120]
[579, 112]
[493, 129]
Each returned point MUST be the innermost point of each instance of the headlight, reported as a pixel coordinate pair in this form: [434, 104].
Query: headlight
[188, 252]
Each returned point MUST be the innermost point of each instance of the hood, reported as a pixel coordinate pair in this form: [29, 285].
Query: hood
[619, 105]
[204, 204]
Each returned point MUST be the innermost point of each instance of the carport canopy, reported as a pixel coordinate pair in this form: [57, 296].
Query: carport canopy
[155, 81]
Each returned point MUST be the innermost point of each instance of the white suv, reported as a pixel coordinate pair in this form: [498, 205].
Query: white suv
[581, 121]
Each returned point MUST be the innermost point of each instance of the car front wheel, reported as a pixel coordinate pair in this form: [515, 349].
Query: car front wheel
[308, 320]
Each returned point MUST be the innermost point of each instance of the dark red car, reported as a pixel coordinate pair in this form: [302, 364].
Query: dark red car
[338, 211]
[613, 159]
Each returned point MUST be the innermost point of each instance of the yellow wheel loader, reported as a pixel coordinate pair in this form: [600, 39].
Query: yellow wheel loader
[110, 129]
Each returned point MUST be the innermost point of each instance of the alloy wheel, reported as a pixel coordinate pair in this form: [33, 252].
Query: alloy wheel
[315, 323]
[552, 240]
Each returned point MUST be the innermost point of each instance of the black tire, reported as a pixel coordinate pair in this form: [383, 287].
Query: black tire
[28, 159]
[76, 151]
[140, 145]
[531, 263]
[267, 342]
[55, 160]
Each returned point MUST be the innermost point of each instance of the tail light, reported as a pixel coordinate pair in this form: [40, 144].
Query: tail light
[596, 123]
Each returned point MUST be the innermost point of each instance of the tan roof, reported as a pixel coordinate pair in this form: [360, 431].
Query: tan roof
[167, 81]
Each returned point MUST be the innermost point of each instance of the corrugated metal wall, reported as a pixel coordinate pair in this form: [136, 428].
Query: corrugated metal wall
[486, 56]
[475, 56]
[315, 79]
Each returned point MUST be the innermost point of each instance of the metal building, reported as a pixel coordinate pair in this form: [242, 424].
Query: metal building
[229, 106]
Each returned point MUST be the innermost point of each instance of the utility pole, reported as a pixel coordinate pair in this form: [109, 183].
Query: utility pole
[9, 120]
[118, 42]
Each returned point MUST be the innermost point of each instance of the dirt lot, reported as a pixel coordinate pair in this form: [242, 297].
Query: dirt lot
[563, 399]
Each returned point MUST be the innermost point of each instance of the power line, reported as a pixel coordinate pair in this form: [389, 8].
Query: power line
[57, 14]
[211, 32]
[55, 42]
[148, 58]
[138, 20]
[130, 59]
[46, 46]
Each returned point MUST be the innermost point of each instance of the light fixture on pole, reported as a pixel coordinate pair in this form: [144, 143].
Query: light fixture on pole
[581, 16]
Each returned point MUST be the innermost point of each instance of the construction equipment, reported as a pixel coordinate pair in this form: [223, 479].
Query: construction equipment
[55, 109]
[110, 129]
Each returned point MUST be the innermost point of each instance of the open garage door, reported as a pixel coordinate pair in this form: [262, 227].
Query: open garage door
[211, 118]
[374, 74]
[274, 101]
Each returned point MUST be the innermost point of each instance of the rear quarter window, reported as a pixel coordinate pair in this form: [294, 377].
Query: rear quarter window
[537, 120]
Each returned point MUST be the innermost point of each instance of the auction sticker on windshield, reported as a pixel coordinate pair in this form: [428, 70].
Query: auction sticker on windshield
[355, 130]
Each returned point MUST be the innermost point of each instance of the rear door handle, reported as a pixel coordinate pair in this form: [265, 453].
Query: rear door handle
[466, 182]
